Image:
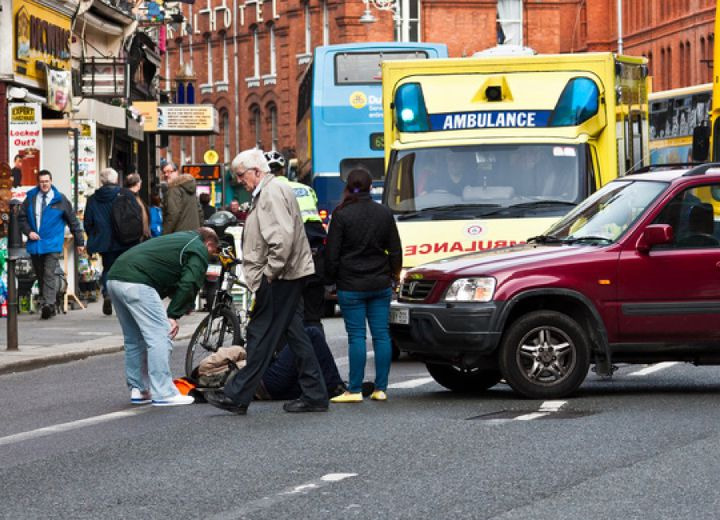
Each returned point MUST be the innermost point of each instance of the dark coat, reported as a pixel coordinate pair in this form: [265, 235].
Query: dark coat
[363, 251]
[182, 211]
[98, 220]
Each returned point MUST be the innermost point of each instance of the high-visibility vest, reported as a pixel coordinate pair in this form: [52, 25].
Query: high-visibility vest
[307, 199]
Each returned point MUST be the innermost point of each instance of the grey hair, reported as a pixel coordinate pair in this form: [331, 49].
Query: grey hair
[247, 159]
[132, 179]
[108, 176]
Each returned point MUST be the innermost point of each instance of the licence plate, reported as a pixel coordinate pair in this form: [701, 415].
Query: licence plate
[400, 316]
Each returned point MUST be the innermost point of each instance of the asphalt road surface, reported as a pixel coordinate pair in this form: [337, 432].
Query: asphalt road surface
[644, 445]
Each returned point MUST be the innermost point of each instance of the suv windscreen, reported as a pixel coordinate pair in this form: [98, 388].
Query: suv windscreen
[519, 176]
[608, 212]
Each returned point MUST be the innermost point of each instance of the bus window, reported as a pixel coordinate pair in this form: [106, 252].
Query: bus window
[363, 68]
[376, 167]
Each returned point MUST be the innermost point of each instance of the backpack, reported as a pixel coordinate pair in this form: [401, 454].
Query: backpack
[126, 217]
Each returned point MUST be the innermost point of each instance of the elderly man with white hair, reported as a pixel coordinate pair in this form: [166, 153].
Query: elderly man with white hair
[277, 263]
[98, 226]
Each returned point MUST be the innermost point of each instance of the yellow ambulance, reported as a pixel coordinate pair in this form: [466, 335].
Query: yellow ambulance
[483, 153]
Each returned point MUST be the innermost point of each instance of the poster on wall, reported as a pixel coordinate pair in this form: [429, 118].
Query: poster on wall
[59, 84]
[25, 140]
[87, 160]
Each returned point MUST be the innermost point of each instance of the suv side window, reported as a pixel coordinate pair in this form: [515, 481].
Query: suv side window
[692, 217]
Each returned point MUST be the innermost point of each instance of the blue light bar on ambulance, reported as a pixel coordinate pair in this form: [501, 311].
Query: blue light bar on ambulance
[410, 111]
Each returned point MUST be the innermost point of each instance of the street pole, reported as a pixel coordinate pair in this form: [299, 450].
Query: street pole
[15, 249]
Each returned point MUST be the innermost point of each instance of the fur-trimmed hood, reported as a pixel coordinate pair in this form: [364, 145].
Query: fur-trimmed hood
[184, 181]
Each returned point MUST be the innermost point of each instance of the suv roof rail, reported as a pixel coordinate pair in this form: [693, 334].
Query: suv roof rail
[700, 170]
[664, 166]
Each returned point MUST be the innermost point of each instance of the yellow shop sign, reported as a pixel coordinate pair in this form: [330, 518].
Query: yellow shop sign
[41, 36]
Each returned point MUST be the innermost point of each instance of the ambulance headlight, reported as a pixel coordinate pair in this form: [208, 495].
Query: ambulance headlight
[410, 110]
[471, 290]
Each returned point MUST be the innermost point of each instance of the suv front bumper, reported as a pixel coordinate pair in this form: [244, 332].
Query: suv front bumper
[446, 332]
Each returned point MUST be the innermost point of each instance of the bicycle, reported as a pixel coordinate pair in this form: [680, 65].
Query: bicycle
[227, 320]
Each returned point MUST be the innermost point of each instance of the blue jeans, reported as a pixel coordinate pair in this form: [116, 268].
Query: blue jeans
[146, 330]
[373, 307]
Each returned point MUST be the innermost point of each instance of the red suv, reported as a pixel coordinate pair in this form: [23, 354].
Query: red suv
[631, 275]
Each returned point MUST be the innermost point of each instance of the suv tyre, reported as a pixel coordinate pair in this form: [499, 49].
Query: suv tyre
[463, 380]
[545, 355]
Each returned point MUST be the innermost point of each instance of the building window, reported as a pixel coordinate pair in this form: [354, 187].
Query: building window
[272, 109]
[509, 22]
[308, 29]
[409, 21]
[207, 87]
[223, 85]
[257, 125]
[256, 53]
[273, 59]
[326, 23]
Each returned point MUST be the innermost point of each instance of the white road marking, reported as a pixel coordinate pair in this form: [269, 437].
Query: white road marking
[530, 416]
[412, 383]
[74, 425]
[547, 408]
[654, 368]
[268, 501]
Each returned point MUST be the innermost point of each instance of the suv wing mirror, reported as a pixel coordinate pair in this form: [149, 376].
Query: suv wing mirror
[701, 143]
[654, 234]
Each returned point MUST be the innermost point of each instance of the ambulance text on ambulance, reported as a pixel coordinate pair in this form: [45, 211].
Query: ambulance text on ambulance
[458, 247]
[490, 119]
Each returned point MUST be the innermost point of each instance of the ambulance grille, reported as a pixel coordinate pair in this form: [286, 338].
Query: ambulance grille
[416, 289]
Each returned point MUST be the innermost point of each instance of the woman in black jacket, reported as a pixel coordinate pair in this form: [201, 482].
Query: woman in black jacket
[363, 257]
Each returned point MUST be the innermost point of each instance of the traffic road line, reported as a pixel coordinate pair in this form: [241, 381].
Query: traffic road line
[74, 425]
[412, 383]
[281, 496]
[654, 368]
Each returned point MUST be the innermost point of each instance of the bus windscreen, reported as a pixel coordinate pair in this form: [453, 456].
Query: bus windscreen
[363, 68]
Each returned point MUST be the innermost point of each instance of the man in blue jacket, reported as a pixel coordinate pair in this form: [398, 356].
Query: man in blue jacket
[43, 217]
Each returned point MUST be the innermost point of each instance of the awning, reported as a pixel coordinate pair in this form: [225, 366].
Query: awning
[103, 114]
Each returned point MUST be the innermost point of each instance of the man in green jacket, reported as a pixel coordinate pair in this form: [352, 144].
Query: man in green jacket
[172, 265]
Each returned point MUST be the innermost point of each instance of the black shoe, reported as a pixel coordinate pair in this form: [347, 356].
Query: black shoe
[47, 312]
[368, 387]
[107, 306]
[299, 406]
[220, 400]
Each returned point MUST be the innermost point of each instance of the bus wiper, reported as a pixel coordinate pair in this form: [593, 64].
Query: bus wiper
[544, 239]
[446, 208]
[588, 238]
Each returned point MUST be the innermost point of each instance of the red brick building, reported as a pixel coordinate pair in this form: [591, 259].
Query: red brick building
[248, 55]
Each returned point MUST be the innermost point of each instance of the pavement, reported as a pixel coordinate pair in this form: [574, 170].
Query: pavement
[68, 337]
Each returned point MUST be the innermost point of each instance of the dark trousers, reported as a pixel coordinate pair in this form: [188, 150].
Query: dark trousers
[280, 380]
[278, 311]
[314, 302]
[108, 259]
[46, 267]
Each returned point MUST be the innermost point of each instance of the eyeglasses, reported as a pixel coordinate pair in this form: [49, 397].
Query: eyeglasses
[240, 175]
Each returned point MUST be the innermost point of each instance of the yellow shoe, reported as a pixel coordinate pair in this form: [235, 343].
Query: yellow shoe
[347, 397]
[378, 395]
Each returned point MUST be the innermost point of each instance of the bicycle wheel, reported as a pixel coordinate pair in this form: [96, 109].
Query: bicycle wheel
[222, 331]
[243, 300]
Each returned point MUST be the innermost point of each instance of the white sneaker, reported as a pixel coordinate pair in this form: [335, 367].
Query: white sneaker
[176, 400]
[139, 397]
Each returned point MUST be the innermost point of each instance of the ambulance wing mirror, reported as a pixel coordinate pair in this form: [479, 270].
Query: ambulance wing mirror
[701, 143]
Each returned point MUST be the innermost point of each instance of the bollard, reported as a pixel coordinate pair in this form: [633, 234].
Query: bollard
[16, 249]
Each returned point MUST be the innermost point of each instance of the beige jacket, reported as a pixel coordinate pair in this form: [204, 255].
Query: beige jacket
[274, 244]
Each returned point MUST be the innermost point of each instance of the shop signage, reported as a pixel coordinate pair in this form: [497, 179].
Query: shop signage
[187, 119]
[87, 157]
[42, 36]
[149, 112]
[203, 172]
[59, 87]
[25, 138]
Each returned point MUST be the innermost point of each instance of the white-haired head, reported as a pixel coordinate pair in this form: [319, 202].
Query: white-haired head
[247, 159]
[108, 176]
